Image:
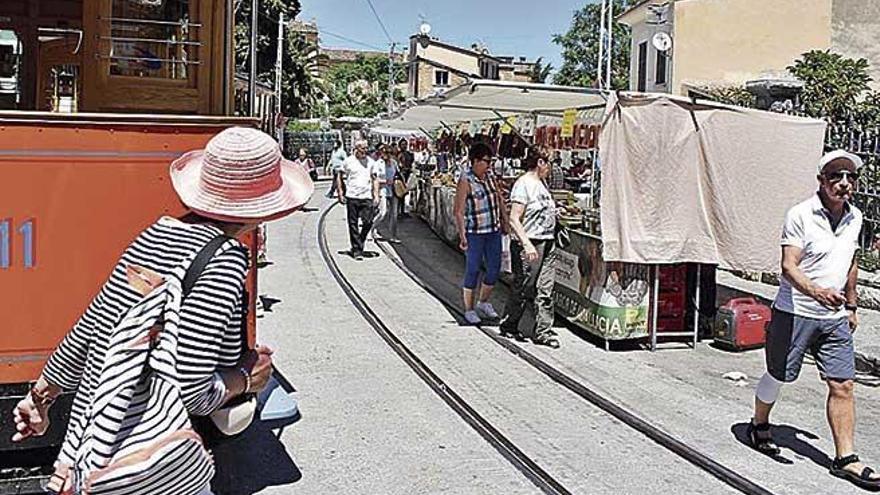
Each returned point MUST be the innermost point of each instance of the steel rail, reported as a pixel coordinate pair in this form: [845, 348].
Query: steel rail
[719, 471]
[521, 461]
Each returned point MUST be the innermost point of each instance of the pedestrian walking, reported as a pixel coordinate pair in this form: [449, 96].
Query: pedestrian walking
[816, 310]
[533, 254]
[388, 175]
[162, 340]
[380, 165]
[303, 160]
[480, 217]
[337, 159]
[361, 196]
[406, 159]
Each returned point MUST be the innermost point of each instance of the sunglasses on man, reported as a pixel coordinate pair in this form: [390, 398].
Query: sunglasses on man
[838, 176]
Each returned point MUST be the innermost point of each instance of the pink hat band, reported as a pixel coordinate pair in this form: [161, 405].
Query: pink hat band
[243, 177]
[240, 175]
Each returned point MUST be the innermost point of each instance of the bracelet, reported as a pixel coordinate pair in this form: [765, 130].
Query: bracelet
[247, 380]
[850, 307]
[42, 399]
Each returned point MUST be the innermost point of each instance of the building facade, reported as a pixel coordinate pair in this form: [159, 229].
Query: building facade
[731, 42]
[436, 66]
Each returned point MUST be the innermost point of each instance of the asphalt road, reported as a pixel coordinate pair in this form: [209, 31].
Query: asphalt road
[370, 426]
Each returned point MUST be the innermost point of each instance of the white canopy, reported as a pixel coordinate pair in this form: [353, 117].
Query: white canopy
[486, 100]
[686, 181]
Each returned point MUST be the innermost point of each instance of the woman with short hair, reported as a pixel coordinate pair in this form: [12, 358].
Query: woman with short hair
[533, 254]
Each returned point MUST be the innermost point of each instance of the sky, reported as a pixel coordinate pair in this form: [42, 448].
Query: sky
[507, 27]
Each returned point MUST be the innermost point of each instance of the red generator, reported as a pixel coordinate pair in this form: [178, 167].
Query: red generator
[741, 324]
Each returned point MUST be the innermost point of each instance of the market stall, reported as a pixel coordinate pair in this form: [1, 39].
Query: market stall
[677, 194]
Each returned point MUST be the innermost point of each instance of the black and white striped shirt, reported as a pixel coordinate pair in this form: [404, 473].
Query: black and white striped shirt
[209, 335]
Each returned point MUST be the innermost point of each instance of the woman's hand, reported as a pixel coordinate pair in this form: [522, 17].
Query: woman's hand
[60, 481]
[531, 253]
[462, 242]
[258, 363]
[31, 419]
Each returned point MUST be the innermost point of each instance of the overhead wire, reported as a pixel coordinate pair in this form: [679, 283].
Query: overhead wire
[379, 19]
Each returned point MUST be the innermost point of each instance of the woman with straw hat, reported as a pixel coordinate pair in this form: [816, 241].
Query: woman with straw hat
[158, 345]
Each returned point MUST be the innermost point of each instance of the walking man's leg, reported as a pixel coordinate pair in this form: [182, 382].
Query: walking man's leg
[380, 215]
[835, 358]
[351, 211]
[366, 213]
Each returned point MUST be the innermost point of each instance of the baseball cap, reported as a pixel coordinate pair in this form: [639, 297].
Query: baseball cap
[838, 154]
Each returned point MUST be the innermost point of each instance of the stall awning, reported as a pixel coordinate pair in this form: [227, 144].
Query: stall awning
[686, 181]
[485, 100]
[521, 98]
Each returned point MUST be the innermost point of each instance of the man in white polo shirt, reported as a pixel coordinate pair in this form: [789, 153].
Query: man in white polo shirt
[815, 311]
[361, 196]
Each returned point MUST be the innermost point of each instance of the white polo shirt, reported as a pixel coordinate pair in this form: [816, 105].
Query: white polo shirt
[827, 255]
[358, 177]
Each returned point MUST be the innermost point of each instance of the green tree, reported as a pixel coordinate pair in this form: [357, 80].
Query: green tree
[360, 88]
[833, 85]
[541, 71]
[300, 86]
[580, 49]
[730, 95]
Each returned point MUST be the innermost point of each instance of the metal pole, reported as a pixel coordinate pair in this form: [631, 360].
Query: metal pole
[609, 51]
[279, 64]
[697, 307]
[252, 77]
[391, 79]
[655, 307]
[600, 63]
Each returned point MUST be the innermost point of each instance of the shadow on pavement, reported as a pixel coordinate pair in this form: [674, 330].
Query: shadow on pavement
[268, 302]
[787, 438]
[256, 459]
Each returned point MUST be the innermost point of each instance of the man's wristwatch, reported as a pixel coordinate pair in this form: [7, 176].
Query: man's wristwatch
[850, 307]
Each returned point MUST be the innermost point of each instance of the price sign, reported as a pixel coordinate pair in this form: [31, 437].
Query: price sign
[509, 124]
[568, 118]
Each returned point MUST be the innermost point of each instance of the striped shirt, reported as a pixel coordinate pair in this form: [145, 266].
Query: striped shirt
[208, 335]
[481, 213]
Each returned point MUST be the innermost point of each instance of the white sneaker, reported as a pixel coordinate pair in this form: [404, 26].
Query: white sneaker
[486, 309]
[472, 317]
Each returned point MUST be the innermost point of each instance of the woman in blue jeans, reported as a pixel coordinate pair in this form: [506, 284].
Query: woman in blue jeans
[480, 217]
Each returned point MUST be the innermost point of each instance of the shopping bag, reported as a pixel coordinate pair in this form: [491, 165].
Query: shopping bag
[505, 254]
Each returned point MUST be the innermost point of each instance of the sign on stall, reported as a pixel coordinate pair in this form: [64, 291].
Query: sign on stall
[568, 118]
[509, 124]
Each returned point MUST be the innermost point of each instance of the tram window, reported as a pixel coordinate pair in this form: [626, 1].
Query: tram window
[10, 70]
[153, 38]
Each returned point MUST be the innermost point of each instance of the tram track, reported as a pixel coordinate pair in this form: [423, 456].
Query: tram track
[702, 461]
[503, 445]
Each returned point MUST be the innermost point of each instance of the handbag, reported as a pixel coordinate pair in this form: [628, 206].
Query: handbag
[237, 414]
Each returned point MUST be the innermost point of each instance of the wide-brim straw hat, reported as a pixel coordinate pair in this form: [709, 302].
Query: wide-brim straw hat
[240, 176]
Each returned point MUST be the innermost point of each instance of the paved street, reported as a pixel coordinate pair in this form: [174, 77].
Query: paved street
[370, 426]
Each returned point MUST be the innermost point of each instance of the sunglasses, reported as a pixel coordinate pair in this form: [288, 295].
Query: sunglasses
[838, 176]
[486, 159]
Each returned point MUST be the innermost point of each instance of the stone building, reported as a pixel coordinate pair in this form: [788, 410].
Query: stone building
[436, 66]
[734, 42]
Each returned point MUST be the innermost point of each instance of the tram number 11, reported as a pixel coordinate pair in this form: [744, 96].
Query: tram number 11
[27, 231]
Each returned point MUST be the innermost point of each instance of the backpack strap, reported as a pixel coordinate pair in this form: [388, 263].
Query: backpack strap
[198, 266]
[200, 262]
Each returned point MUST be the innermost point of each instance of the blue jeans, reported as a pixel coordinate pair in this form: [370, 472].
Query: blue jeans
[482, 248]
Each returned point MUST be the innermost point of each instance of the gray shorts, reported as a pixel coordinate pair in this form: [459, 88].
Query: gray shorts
[789, 337]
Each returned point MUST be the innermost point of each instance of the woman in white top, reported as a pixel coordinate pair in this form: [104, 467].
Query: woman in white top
[533, 254]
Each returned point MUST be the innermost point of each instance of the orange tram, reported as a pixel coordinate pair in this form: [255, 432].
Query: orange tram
[97, 97]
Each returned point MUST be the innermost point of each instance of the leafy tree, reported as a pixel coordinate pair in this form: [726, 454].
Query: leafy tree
[730, 95]
[300, 87]
[833, 85]
[541, 71]
[360, 88]
[580, 49]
